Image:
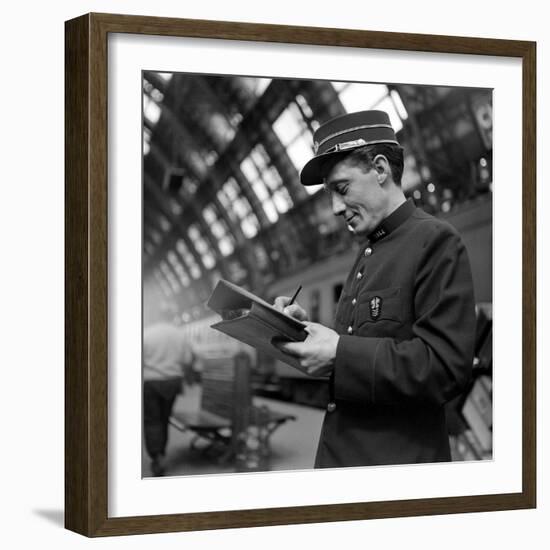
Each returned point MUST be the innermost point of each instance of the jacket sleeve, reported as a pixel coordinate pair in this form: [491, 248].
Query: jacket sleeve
[435, 364]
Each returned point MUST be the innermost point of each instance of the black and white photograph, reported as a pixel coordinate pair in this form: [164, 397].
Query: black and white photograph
[257, 276]
[317, 274]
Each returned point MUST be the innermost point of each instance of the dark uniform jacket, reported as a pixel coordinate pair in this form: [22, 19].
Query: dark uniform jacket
[406, 318]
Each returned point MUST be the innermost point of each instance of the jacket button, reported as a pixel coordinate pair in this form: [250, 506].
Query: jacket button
[350, 329]
[359, 275]
[331, 407]
[354, 301]
[368, 251]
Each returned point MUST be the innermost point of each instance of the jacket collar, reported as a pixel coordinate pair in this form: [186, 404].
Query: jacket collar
[393, 221]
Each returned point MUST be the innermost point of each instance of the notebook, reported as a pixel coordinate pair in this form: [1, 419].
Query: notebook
[253, 321]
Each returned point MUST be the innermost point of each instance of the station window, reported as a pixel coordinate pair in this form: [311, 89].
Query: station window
[237, 271]
[295, 127]
[202, 247]
[150, 91]
[170, 277]
[178, 268]
[219, 230]
[295, 135]
[222, 128]
[164, 223]
[197, 163]
[266, 182]
[307, 112]
[165, 76]
[260, 254]
[256, 85]
[146, 140]
[188, 258]
[210, 157]
[175, 207]
[360, 97]
[398, 103]
[261, 85]
[164, 286]
[151, 110]
[156, 236]
[215, 276]
[388, 105]
[238, 208]
[190, 184]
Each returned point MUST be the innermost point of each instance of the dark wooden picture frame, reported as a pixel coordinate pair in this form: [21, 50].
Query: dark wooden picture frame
[86, 281]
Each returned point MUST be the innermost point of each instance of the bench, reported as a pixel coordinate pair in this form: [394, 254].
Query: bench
[227, 423]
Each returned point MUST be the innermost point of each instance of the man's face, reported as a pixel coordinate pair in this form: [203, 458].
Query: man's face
[357, 196]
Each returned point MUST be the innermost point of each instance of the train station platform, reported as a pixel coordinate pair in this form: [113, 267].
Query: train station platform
[293, 445]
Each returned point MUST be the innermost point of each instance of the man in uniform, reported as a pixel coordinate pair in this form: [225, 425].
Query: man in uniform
[403, 338]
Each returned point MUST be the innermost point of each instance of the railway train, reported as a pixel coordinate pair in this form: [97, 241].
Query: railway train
[321, 286]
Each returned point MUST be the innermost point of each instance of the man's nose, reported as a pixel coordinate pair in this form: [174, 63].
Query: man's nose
[338, 206]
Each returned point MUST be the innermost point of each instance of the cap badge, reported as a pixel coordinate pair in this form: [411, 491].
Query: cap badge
[375, 305]
[346, 145]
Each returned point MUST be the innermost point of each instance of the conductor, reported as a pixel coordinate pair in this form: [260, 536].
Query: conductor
[403, 339]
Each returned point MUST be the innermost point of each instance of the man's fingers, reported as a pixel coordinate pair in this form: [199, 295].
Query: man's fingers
[295, 311]
[292, 348]
[281, 302]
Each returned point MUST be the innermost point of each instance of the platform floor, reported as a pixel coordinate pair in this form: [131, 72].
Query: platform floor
[293, 445]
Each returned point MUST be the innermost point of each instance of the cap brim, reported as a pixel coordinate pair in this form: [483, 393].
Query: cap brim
[314, 171]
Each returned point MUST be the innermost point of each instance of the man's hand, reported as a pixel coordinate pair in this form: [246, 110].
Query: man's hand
[294, 310]
[317, 352]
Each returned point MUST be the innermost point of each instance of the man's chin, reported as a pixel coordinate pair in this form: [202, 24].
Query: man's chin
[358, 228]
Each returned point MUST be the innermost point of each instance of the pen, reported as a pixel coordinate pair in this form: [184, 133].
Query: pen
[295, 295]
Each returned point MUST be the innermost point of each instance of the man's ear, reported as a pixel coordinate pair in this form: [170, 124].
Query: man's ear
[382, 167]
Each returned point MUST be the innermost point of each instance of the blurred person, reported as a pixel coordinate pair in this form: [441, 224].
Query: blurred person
[166, 355]
[403, 338]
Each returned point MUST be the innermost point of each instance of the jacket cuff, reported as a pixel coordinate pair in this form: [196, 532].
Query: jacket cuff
[354, 369]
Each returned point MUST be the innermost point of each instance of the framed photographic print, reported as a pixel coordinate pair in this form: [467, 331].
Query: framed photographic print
[212, 204]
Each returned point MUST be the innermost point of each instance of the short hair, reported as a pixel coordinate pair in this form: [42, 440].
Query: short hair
[363, 157]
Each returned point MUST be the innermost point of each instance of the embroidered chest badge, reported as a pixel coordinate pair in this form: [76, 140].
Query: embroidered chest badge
[375, 305]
